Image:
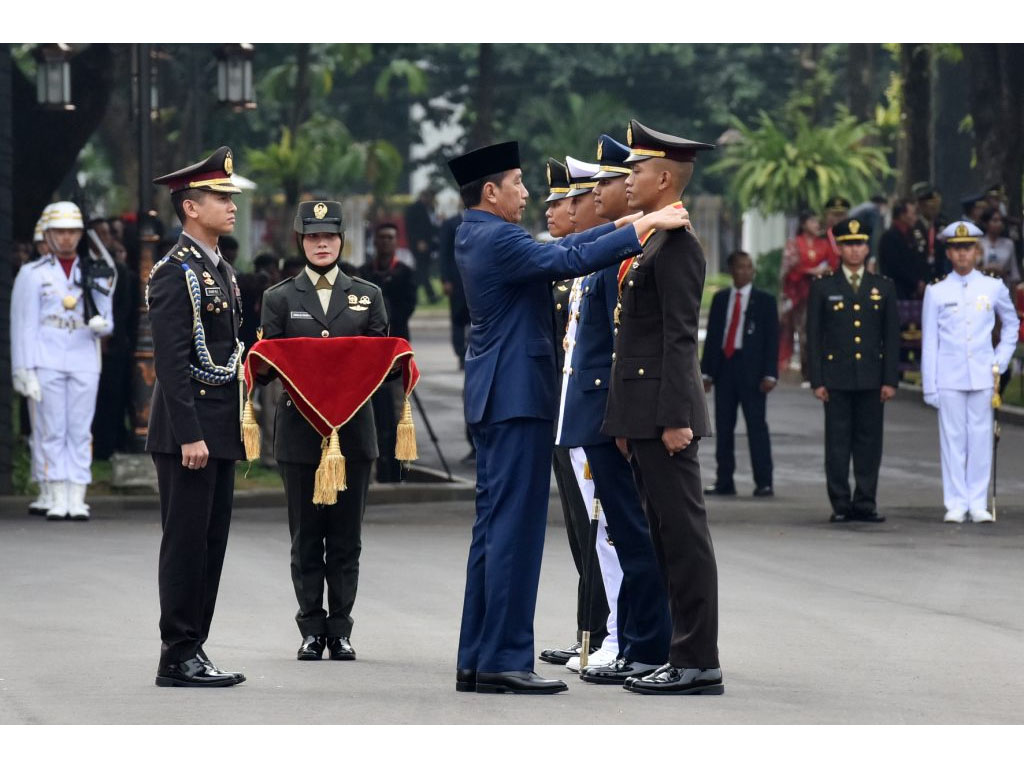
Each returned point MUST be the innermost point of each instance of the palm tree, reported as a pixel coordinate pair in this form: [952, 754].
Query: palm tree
[785, 166]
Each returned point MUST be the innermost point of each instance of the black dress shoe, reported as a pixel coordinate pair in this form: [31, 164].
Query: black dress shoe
[840, 517]
[867, 517]
[677, 680]
[517, 682]
[717, 490]
[560, 655]
[341, 649]
[465, 680]
[193, 673]
[766, 491]
[312, 648]
[616, 673]
[214, 669]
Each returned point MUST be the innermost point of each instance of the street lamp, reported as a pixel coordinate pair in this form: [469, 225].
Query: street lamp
[234, 76]
[53, 76]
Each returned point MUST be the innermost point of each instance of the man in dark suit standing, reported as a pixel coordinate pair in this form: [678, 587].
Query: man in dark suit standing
[853, 338]
[511, 401]
[741, 362]
[657, 414]
[194, 422]
[422, 231]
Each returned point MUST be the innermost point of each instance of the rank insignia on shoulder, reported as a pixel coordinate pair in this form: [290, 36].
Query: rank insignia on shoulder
[259, 333]
[179, 256]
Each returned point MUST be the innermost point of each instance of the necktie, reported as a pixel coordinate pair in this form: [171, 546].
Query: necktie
[734, 326]
[855, 281]
[323, 284]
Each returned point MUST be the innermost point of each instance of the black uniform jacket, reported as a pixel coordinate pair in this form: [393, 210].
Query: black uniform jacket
[853, 341]
[291, 309]
[655, 376]
[184, 410]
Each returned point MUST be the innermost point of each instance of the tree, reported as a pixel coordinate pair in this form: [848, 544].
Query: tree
[785, 166]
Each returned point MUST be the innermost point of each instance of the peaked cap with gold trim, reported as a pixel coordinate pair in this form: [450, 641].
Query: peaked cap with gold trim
[319, 216]
[212, 174]
[558, 180]
[851, 231]
[581, 176]
[837, 204]
[611, 158]
[645, 143]
[961, 232]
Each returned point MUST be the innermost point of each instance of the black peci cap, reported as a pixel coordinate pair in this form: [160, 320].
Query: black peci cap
[484, 162]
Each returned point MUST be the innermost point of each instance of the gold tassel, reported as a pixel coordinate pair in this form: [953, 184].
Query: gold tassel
[330, 475]
[405, 440]
[586, 471]
[250, 432]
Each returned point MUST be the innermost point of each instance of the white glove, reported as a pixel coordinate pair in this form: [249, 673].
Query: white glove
[932, 399]
[99, 325]
[26, 383]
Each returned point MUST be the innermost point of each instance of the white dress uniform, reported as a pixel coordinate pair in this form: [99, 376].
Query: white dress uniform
[608, 561]
[52, 344]
[957, 360]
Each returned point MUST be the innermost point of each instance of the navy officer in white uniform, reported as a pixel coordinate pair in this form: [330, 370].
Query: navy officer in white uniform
[959, 366]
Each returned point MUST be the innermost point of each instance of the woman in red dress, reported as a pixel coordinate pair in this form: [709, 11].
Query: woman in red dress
[807, 255]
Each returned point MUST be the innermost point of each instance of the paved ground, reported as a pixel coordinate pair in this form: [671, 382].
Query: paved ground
[912, 621]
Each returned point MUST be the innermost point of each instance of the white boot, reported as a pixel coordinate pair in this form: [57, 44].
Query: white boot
[42, 501]
[58, 501]
[77, 508]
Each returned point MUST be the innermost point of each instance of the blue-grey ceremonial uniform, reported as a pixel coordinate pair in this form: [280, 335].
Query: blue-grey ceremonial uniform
[511, 401]
[957, 358]
[644, 626]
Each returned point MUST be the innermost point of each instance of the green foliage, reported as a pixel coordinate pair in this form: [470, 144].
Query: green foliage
[766, 277]
[786, 165]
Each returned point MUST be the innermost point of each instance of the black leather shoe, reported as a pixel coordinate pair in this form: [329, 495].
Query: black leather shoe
[617, 672]
[717, 490]
[517, 682]
[465, 680]
[766, 491]
[341, 649]
[193, 673]
[840, 517]
[560, 655]
[867, 517]
[214, 669]
[676, 680]
[312, 648]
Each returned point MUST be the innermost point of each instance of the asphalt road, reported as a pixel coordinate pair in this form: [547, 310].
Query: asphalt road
[911, 621]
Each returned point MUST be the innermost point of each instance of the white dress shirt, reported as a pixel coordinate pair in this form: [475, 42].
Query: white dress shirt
[324, 294]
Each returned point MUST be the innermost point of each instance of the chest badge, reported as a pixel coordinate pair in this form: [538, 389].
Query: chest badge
[69, 302]
[982, 303]
[364, 300]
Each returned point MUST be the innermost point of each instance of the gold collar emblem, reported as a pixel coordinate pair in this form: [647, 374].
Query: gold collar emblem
[319, 210]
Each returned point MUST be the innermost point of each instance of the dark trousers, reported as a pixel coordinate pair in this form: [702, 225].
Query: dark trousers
[513, 478]
[853, 428]
[670, 487]
[326, 543]
[733, 391]
[424, 264]
[592, 616]
[385, 402]
[644, 625]
[195, 513]
[109, 423]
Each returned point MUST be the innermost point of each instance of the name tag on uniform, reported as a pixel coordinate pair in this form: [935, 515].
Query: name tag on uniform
[214, 291]
[835, 298]
[300, 315]
[950, 304]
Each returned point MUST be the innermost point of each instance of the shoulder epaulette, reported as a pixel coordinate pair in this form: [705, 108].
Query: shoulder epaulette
[278, 285]
[991, 273]
[367, 283]
[828, 273]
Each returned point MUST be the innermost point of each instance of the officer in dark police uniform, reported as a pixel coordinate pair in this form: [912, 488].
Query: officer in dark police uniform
[657, 413]
[194, 422]
[323, 302]
[853, 342]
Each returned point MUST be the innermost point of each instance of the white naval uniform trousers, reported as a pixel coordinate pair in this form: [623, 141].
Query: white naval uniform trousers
[956, 369]
[54, 341]
[611, 570]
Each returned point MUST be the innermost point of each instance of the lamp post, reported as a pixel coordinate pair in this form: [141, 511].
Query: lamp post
[234, 76]
[53, 76]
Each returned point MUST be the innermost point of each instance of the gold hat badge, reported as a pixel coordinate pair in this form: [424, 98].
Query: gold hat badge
[600, 148]
[629, 134]
[549, 175]
[854, 227]
[961, 230]
[229, 164]
[319, 210]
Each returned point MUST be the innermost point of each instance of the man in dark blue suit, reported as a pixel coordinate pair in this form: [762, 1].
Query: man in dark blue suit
[741, 361]
[511, 400]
